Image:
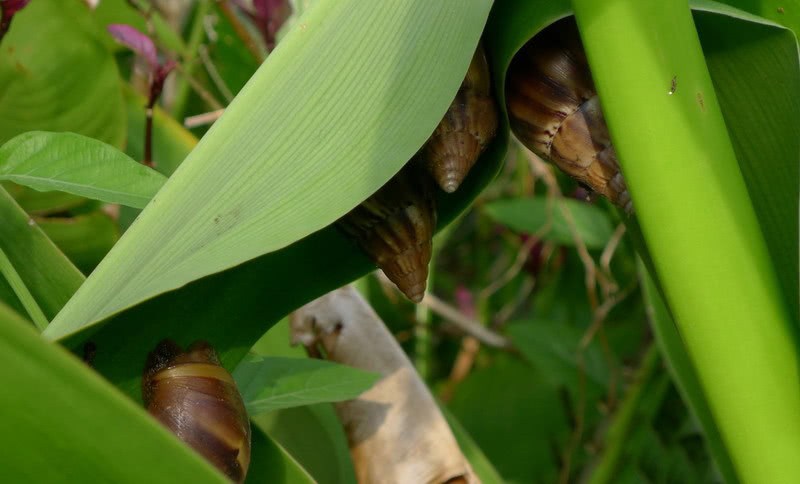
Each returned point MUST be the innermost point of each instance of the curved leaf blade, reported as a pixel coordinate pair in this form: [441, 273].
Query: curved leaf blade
[79, 165]
[346, 99]
[270, 383]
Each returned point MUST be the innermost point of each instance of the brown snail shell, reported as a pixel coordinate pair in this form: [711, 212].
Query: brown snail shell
[196, 398]
[395, 228]
[555, 112]
[466, 129]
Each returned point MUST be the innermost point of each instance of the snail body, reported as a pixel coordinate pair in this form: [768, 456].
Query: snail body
[466, 129]
[395, 228]
[196, 398]
[555, 111]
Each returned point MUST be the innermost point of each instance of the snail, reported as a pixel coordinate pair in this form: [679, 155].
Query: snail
[395, 228]
[555, 111]
[467, 128]
[196, 398]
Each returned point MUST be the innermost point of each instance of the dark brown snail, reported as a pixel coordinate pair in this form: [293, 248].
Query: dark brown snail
[466, 129]
[395, 228]
[196, 398]
[555, 112]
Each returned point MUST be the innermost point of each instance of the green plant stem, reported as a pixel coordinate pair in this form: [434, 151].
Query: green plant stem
[196, 37]
[699, 226]
[682, 372]
[22, 292]
[619, 429]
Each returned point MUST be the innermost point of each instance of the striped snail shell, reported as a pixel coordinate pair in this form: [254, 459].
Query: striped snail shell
[466, 129]
[395, 228]
[196, 398]
[555, 112]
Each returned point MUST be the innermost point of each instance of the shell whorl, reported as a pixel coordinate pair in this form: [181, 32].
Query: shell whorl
[196, 398]
[395, 228]
[555, 112]
[467, 128]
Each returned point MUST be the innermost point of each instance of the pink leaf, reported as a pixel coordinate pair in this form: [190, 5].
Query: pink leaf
[136, 41]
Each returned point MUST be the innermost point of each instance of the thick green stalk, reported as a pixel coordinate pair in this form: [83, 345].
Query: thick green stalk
[699, 225]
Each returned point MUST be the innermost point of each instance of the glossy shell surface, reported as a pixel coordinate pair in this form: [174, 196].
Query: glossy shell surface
[191, 394]
[555, 111]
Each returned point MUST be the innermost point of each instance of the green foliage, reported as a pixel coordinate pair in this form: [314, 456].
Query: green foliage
[57, 75]
[240, 235]
[78, 165]
[535, 215]
[268, 384]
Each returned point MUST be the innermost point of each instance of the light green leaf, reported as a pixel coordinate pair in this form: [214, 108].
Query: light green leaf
[56, 74]
[14, 280]
[46, 273]
[270, 384]
[333, 113]
[532, 215]
[72, 163]
[703, 231]
[683, 373]
[70, 425]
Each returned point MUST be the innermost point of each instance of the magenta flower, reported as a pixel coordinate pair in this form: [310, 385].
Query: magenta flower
[144, 47]
[268, 16]
[10, 8]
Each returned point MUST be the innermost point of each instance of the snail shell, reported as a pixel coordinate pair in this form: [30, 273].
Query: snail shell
[196, 398]
[395, 228]
[466, 129]
[555, 112]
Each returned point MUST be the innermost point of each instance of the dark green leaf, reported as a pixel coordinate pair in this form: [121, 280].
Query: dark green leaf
[535, 215]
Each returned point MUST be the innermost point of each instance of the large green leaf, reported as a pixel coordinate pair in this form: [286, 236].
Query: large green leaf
[702, 231]
[680, 367]
[76, 164]
[268, 384]
[770, 161]
[312, 118]
[70, 425]
[57, 75]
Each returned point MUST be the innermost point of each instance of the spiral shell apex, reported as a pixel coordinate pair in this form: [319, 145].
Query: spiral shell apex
[395, 228]
[196, 398]
[555, 111]
[466, 129]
